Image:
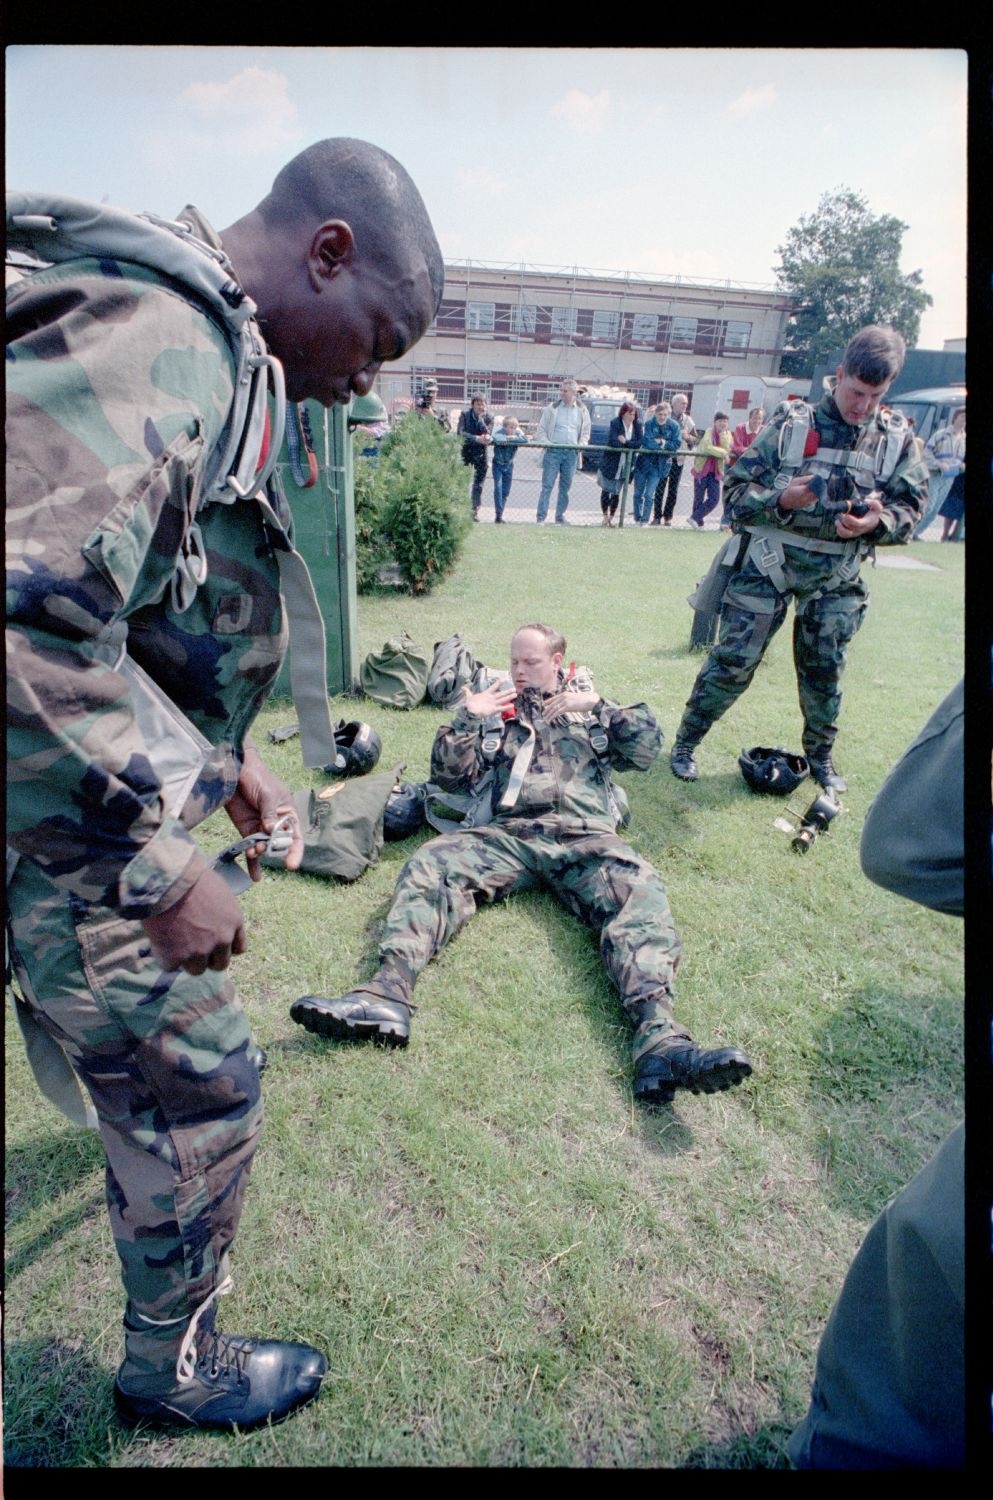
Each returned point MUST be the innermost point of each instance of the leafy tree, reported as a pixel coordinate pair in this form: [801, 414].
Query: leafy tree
[842, 264]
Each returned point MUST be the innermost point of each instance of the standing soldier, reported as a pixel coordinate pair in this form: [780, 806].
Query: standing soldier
[533, 760]
[817, 490]
[145, 627]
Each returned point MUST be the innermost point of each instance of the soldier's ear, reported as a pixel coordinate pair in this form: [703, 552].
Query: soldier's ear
[557, 659]
[332, 247]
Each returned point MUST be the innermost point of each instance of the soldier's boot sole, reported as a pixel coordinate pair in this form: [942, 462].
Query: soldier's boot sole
[314, 1014]
[688, 1066]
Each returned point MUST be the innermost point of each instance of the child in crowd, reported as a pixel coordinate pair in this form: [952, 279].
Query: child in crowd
[505, 445]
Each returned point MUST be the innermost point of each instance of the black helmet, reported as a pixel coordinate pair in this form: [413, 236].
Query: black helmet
[772, 770]
[404, 812]
[357, 749]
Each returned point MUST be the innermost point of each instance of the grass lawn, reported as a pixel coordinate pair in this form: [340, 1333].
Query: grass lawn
[507, 1261]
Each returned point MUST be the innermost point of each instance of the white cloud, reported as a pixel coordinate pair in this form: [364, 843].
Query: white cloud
[583, 111]
[753, 99]
[251, 111]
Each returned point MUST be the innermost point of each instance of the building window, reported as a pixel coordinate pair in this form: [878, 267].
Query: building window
[737, 337]
[683, 333]
[644, 330]
[451, 315]
[478, 383]
[521, 389]
[708, 334]
[563, 323]
[522, 318]
[606, 327]
[480, 317]
[641, 395]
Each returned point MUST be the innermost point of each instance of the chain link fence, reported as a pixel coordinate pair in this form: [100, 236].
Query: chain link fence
[583, 508]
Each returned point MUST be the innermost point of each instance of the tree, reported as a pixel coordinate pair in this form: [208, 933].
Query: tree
[842, 264]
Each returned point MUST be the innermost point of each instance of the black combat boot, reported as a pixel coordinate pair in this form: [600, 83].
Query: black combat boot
[682, 763]
[681, 1064]
[379, 1010]
[823, 772]
[230, 1382]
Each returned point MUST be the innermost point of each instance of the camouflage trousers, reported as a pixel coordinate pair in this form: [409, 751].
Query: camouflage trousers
[597, 876]
[169, 1064]
[751, 613]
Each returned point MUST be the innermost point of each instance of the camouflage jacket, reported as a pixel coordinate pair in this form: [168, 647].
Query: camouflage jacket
[117, 387]
[751, 497]
[565, 789]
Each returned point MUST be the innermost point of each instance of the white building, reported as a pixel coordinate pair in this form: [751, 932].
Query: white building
[515, 332]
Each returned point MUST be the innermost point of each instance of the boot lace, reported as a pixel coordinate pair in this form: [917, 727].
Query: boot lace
[222, 1355]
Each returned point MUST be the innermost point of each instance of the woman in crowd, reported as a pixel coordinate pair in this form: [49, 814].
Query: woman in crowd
[626, 431]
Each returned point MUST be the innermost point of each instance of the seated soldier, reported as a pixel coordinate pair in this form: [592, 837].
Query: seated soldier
[538, 751]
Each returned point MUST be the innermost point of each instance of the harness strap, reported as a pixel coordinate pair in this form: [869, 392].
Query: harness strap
[518, 771]
[767, 550]
[300, 445]
[308, 648]
[805, 543]
[768, 556]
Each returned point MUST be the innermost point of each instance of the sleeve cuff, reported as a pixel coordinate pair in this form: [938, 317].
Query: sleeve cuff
[163, 872]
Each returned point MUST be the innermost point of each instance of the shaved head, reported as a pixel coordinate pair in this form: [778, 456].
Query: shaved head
[353, 180]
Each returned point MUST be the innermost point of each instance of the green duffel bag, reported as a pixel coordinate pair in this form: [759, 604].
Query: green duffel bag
[396, 676]
[342, 825]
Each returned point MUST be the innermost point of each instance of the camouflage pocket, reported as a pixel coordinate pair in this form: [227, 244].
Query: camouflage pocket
[149, 525]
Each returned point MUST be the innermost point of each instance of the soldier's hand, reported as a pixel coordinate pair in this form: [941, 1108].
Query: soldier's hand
[258, 804]
[202, 930]
[491, 700]
[568, 703]
[796, 495]
[848, 526]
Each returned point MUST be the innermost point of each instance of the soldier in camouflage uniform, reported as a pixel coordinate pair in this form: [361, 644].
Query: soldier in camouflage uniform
[806, 544]
[119, 386]
[546, 815]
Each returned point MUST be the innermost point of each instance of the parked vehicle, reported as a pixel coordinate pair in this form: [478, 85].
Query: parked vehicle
[931, 408]
[602, 413]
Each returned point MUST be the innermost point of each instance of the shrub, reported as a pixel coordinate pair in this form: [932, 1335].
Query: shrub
[420, 496]
[372, 549]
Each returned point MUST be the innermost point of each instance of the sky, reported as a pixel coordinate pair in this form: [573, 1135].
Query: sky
[669, 161]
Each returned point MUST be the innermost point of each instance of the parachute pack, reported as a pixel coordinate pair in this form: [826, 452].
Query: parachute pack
[52, 228]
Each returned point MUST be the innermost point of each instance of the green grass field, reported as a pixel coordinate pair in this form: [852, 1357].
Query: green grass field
[507, 1261]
